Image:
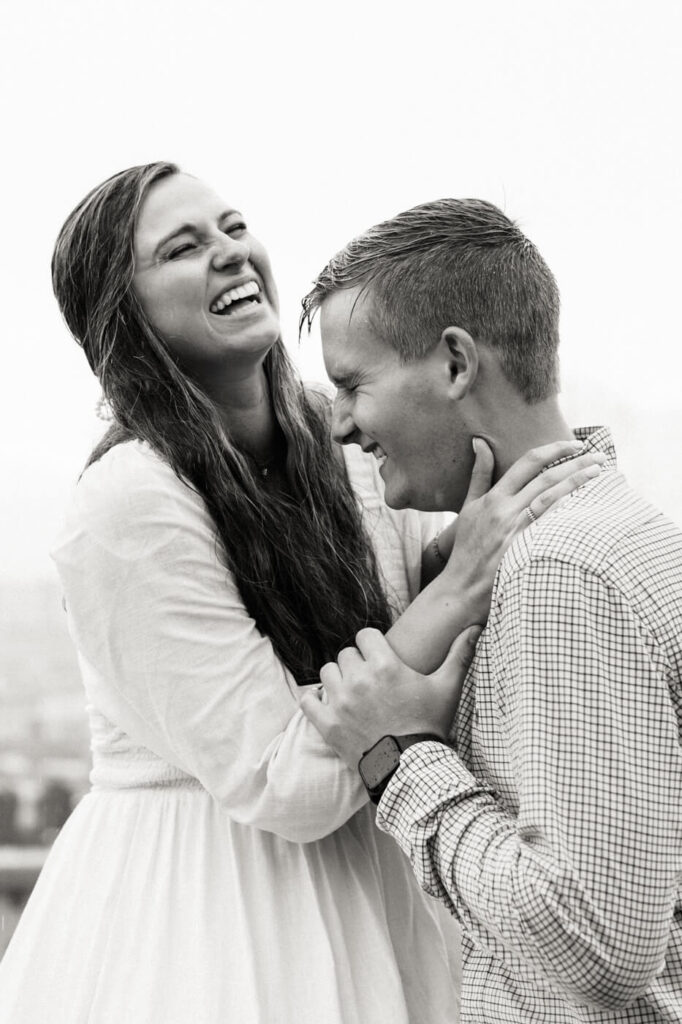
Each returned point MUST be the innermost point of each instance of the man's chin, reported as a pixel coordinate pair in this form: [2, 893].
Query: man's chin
[395, 497]
[420, 499]
[402, 497]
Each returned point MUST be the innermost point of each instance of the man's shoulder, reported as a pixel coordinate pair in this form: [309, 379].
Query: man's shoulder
[606, 529]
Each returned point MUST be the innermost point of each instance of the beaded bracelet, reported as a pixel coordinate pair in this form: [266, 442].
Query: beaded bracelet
[436, 550]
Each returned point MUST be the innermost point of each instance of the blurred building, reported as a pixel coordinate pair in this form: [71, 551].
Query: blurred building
[43, 726]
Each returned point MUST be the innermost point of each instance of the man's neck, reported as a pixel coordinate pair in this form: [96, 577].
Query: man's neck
[517, 427]
[496, 410]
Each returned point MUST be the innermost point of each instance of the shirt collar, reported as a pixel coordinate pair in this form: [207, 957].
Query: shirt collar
[595, 439]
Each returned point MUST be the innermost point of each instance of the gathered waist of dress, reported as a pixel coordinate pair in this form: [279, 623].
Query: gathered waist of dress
[121, 764]
[139, 773]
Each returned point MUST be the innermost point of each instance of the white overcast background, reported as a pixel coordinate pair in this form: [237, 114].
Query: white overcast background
[316, 120]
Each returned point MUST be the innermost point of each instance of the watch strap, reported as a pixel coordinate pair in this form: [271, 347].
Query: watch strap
[417, 737]
[402, 743]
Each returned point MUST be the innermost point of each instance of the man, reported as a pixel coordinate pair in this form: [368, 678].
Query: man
[551, 823]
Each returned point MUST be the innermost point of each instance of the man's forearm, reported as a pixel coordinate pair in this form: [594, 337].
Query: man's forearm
[512, 896]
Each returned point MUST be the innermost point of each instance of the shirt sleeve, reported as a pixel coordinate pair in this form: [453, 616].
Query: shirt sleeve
[178, 662]
[579, 880]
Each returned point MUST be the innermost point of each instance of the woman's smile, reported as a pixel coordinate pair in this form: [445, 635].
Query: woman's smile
[237, 297]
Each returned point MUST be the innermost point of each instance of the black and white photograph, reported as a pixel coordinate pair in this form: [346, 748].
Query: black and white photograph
[341, 518]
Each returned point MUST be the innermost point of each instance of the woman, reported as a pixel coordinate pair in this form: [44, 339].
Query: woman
[225, 866]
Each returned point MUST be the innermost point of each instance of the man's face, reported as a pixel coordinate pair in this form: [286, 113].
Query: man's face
[401, 412]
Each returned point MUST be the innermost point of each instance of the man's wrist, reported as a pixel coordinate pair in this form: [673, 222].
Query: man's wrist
[379, 763]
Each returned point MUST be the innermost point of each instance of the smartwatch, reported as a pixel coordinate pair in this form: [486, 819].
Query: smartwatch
[378, 764]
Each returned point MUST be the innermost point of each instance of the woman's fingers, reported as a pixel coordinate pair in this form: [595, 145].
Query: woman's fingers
[482, 473]
[534, 462]
[487, 526]
[565, 473]
[547, 499]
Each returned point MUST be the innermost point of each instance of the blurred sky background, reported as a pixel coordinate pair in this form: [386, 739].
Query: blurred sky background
[318, 119]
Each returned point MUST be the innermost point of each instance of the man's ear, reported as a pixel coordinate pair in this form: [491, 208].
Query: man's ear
[460, 354]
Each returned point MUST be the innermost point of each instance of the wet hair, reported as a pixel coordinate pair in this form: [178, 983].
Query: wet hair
[302, 561]
[454, 263]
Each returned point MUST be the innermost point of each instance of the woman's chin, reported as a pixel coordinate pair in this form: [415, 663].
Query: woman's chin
[246, 316]
[247, 333]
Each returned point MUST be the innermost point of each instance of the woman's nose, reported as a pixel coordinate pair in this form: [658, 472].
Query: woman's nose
[229, 252]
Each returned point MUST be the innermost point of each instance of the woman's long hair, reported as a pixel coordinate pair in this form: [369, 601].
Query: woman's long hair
[301, 559]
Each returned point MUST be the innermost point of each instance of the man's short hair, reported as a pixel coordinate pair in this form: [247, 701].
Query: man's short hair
[454, 263]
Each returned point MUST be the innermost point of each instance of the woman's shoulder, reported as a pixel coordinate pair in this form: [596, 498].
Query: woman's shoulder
[128, 456]
[131, 467]
[130, 490]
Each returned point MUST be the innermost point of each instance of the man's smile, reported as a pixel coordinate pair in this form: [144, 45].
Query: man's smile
[377, 451]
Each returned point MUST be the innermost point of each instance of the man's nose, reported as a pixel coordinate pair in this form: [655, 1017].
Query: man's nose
[343, 426]
[230, 252]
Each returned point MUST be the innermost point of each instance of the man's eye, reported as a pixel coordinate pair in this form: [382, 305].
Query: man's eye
[180, 250]
[238, 228]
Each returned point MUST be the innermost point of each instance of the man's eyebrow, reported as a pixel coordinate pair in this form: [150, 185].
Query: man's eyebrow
[190, 228]
[343, 380]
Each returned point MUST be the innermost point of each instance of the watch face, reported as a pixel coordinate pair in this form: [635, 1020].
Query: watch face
[379, 762]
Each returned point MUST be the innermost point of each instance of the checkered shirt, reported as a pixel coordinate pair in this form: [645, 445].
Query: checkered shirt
[553, 829]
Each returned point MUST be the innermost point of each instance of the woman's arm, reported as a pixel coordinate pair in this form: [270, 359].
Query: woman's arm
[457, 592]
[172, 657]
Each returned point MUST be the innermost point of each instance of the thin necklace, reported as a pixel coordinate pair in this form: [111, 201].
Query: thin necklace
[264, 467]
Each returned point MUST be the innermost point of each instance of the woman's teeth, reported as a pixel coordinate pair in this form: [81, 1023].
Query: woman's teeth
[251, 290]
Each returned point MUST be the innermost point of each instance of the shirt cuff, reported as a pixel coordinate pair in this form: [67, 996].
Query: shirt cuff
[429, 775]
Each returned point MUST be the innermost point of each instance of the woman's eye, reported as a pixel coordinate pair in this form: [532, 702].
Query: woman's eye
[180, 250]
[238, 228]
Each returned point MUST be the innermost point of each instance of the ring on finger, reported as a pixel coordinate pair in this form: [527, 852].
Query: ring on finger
[531, 515]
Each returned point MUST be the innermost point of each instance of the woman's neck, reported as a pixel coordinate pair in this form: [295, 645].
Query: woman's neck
[244, 404]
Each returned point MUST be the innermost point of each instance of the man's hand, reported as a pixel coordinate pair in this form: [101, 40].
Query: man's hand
[369, 693]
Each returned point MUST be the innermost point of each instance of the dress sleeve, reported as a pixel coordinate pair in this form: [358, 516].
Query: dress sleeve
[432, 523]
[182, 667]
[581, 881]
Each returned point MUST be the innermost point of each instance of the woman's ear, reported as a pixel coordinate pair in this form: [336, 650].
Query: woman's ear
[460, 355]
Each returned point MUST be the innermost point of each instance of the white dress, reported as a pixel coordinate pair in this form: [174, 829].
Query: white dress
[225, 866]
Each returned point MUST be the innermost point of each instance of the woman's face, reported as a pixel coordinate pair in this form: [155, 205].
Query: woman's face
[203, 281]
